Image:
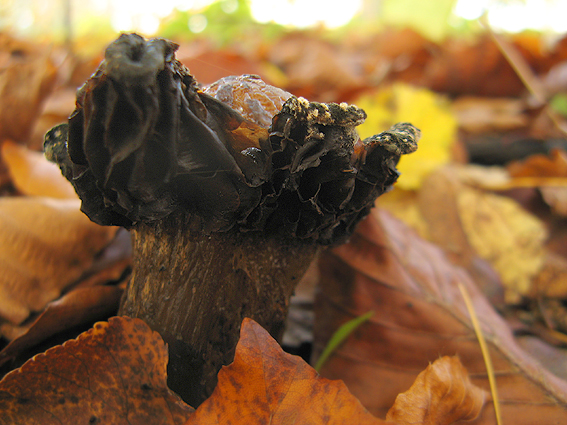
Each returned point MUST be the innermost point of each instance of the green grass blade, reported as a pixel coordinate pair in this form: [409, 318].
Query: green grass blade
[339, 336]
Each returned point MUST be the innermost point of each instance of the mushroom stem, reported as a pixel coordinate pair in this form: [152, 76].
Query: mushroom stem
[195, 290]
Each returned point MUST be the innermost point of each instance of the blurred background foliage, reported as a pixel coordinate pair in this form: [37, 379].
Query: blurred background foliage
[91, 24]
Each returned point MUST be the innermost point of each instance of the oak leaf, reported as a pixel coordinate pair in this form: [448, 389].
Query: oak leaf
[420, 315]
[114, 373]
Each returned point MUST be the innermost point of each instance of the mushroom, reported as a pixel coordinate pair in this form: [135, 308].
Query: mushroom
[229, 192]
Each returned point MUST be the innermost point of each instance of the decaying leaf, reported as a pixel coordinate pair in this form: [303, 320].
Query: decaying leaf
[45, 245]
[27, 77]
[419, 316]
[33, 175]
[264, 385]
[114, 373]
[441, 394]
[426, 110]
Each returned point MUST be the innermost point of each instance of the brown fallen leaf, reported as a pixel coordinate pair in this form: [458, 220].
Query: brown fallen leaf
[481, 114]
[114, 373]
[33, 175]
[552, 165]
[419, 316]
[208, 64]
[45, 245]
[446, 385]
[27, 77]
[264, 385]
[78, 307]
[300, 56]
[478, 69]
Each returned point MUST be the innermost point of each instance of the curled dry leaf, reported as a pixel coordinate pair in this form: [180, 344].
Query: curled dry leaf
[45, 245]
[264, 385]
[441, 394]
[33, 175]
[114, 373]
[420, 315]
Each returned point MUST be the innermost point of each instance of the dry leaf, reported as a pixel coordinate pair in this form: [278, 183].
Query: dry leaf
[315, 68]
[45, 245]
[78, 307]
[32, 174]
[114, 373]
[481, 114]
[419, 316]
[551, 281]
[441, 394]
[478, 69]
[554, 165]
[27, 77]
[506, 235]
[209, 65]
[471, 225]
[264, 385]
[556, 198]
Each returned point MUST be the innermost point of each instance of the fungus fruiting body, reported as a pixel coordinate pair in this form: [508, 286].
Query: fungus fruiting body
[229, 190]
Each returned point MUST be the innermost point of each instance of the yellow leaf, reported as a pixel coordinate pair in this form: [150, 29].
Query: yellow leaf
[503, 233]
[426, 110]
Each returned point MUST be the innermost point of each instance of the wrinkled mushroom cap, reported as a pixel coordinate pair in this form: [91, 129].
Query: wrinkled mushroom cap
[145, 141]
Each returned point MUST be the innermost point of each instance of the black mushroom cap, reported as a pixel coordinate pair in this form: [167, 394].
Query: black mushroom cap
[145, 141]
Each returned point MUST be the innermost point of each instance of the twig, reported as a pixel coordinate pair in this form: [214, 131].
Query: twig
[485, 353]
[524, 72]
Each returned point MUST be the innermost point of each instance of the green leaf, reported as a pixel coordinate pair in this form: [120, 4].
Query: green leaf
[559, 104]
[339, 336]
